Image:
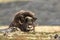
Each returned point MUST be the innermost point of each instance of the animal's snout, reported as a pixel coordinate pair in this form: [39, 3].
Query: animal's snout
[29, 26]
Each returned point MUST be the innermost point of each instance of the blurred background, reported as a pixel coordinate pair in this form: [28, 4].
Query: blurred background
[47, 11]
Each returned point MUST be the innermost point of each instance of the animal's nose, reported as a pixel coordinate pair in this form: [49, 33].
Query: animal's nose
[30, 26]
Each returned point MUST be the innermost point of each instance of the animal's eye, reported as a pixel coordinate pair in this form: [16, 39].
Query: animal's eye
[26, 20]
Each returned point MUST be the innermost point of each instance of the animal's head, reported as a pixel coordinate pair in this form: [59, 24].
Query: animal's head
[29, 23]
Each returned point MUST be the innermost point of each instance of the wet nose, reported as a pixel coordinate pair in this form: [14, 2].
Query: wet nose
[30, 27]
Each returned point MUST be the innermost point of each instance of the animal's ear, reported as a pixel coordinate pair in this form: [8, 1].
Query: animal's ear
[34, 19]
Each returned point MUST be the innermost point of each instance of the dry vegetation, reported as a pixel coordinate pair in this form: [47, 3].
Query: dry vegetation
[42, 33]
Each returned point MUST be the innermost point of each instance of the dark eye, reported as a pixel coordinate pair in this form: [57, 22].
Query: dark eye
[26, 20]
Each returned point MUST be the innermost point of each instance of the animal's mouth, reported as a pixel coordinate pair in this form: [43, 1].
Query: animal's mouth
[30, 27]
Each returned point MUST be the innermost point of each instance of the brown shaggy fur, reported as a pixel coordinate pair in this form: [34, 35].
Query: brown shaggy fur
[19, 19]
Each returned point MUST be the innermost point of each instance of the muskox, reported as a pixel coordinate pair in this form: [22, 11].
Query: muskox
[24, 20]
